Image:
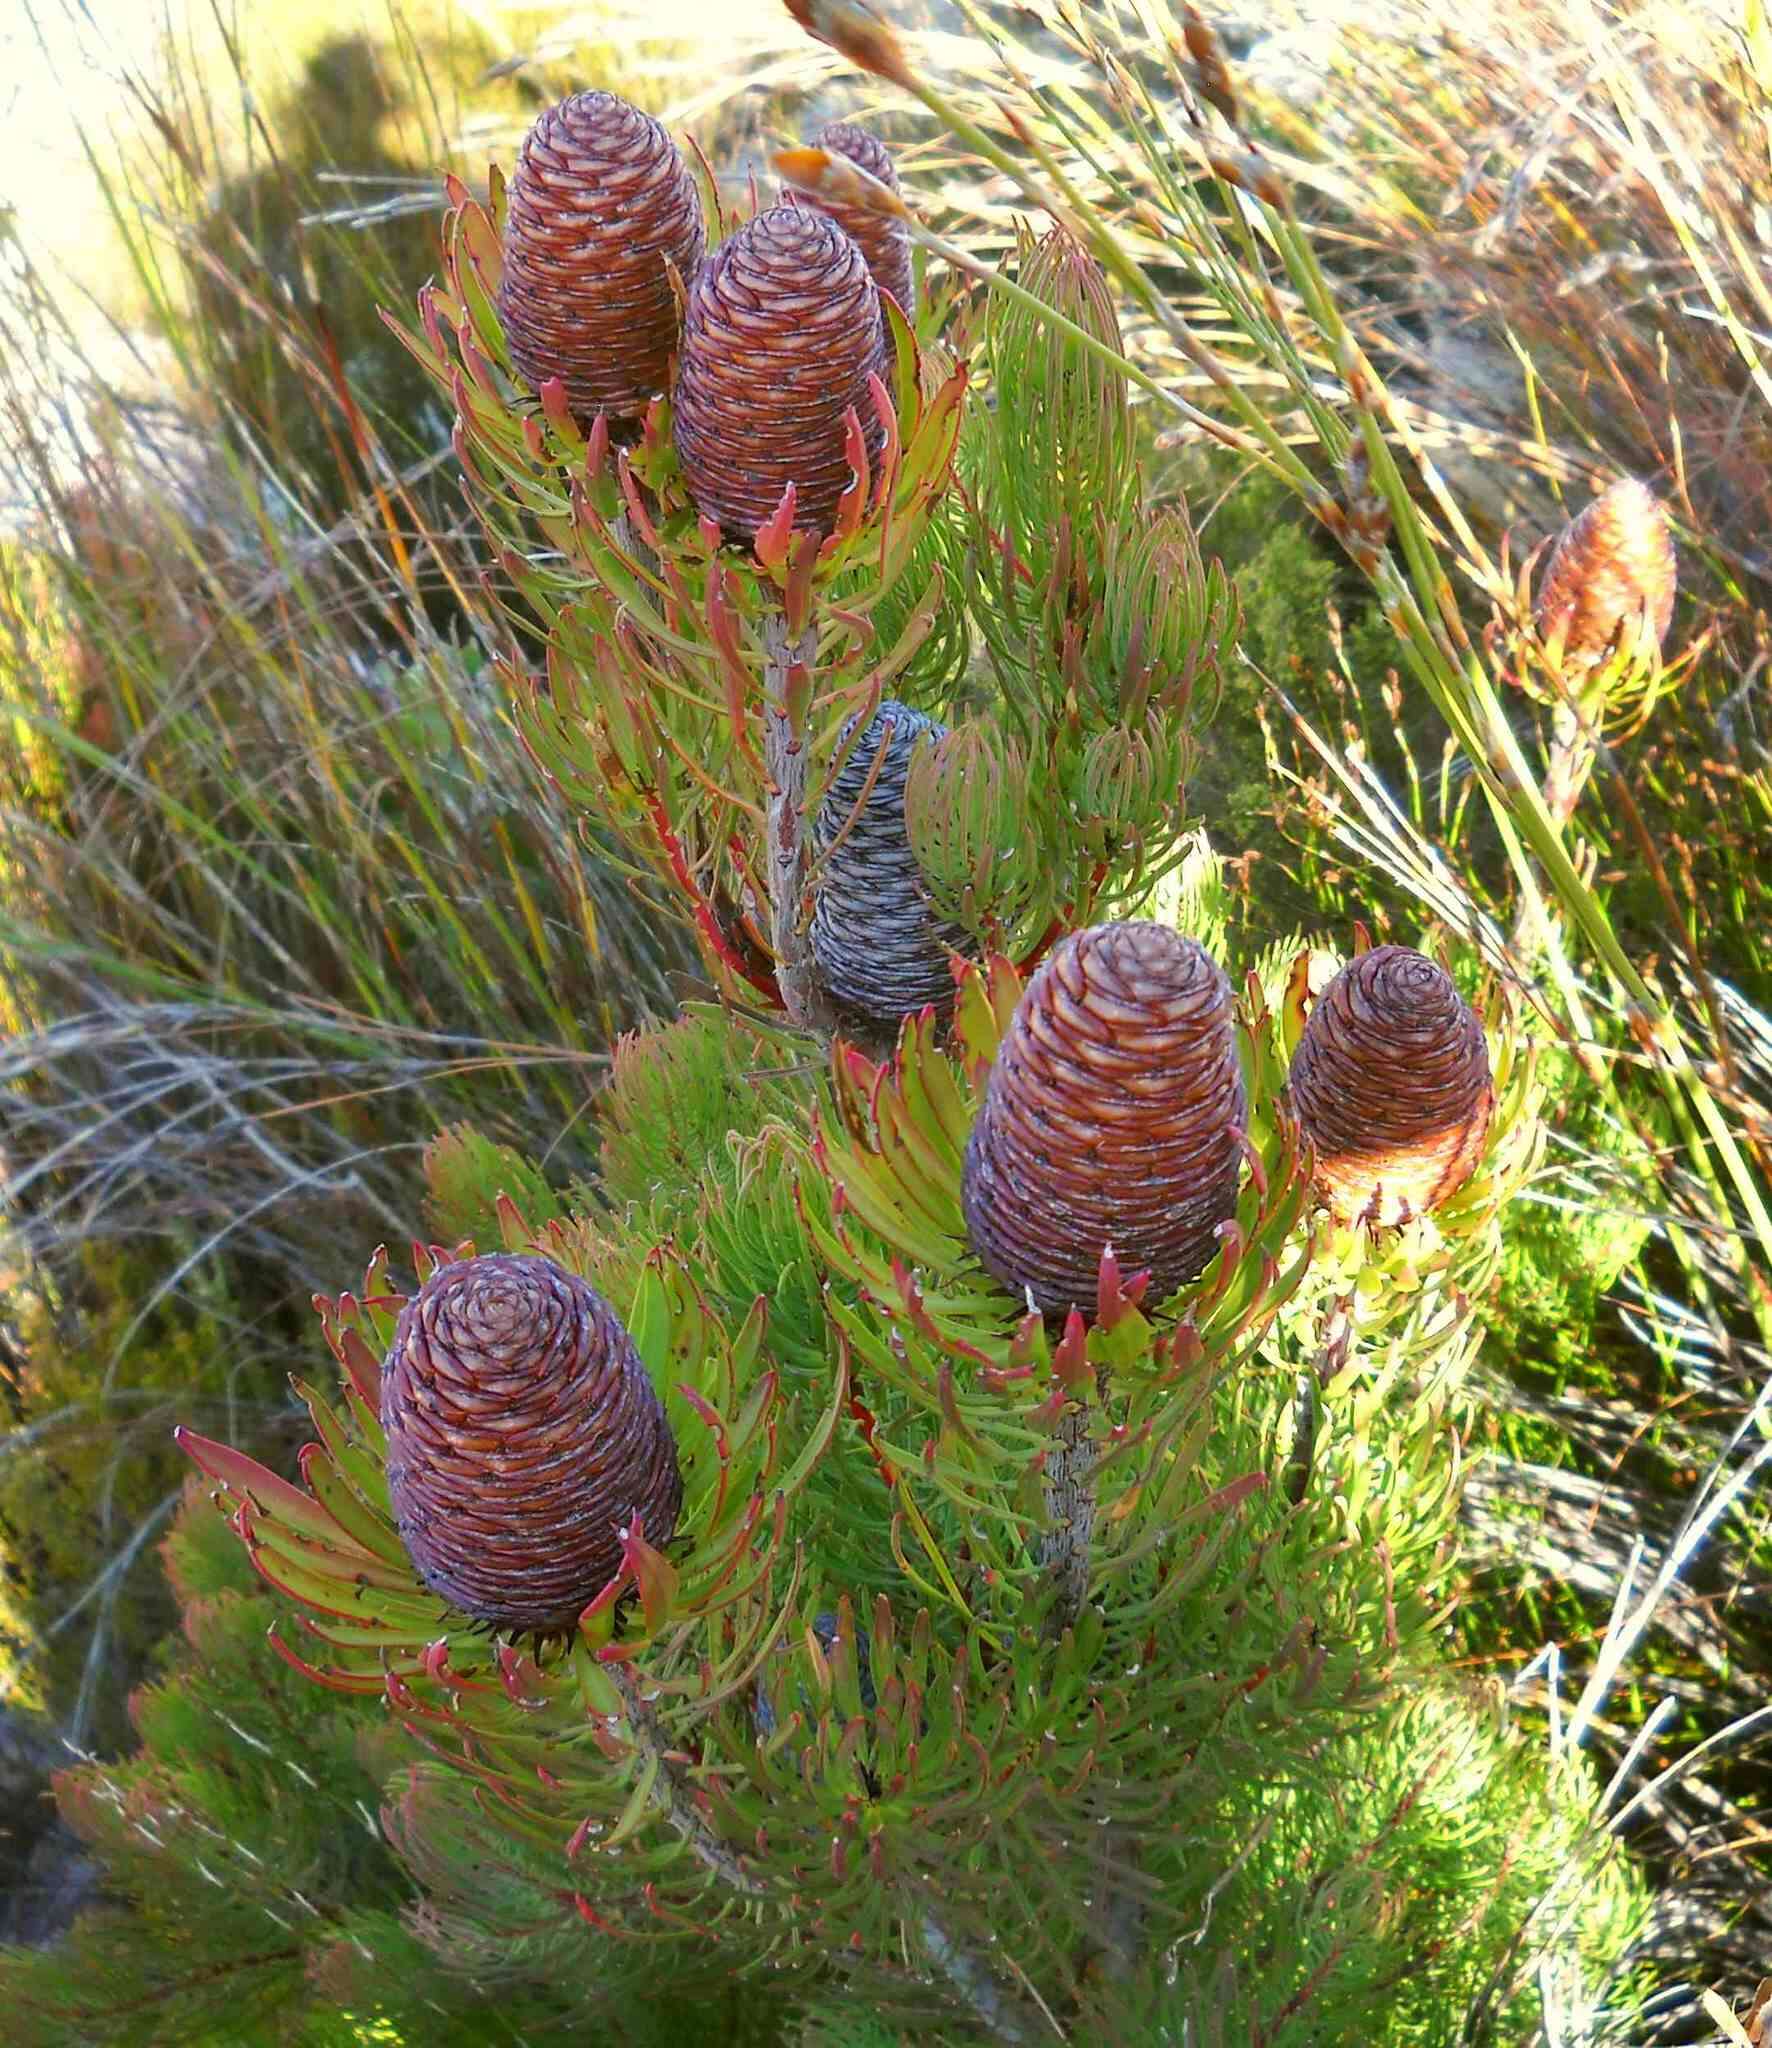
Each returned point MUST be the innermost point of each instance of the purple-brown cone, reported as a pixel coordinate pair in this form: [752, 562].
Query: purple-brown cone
[882, 239]
[523, 1435]
[599, 199]
[779, 340]
[1391, 1083]
[1114, 1116]
[882, 953]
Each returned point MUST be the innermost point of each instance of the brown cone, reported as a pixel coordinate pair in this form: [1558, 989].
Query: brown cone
[882, 953]
[1391, 1083]
[1613, 567]
[1113, 1116]
[523, 1434]
[599, 199]
[782, 332]
[884, 241]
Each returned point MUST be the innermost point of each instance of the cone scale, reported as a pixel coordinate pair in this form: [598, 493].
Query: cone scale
[1391, 1083]
[882, 953]
[523, 1437]
[1114, 1115]
[598, 202]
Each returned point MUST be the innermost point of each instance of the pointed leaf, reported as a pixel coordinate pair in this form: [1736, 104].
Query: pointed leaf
[249, 1481]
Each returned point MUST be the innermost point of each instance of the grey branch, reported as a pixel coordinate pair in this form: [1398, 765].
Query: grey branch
[670, 1793]
[1117, 1919]
[998, 2010]
[1070, 1516]
[1573, 751]
[789, 857]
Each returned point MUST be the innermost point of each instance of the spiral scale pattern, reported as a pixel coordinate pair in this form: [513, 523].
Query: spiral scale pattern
[598, 200]
[884, 241]
[1391, 1083]
[1113, 1115]
[523, 1435]
[779, 340]
[882, 953]
[1613, 565]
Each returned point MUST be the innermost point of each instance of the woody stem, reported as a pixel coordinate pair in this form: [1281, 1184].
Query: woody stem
[787, 698]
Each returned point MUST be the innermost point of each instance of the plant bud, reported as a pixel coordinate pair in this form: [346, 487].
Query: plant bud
[1067, 439]
[1114, 1115]
[523, 1437]
[1149, 610]
[967, 811]
[1391, 1083]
